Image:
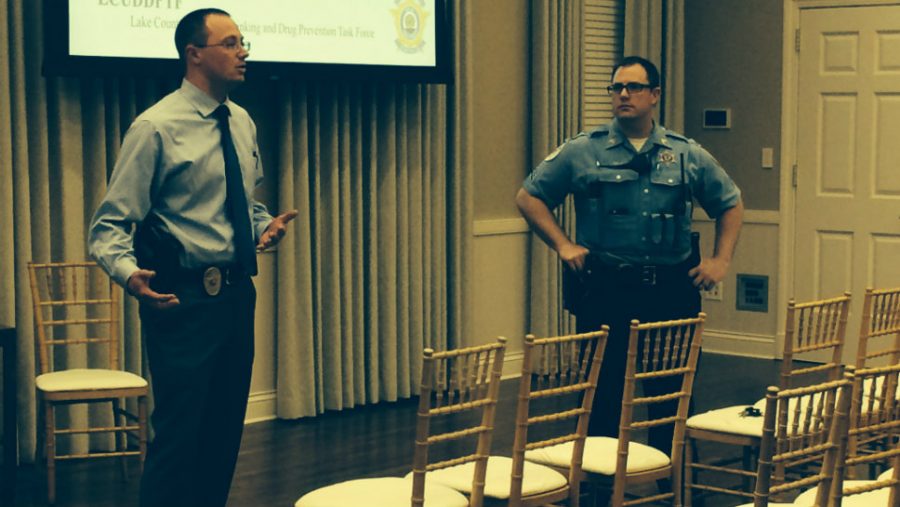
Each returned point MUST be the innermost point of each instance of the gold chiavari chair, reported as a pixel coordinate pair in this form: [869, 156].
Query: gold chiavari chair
[812, 327]
[801, 425]
[76, 314]
[457, 407]
[656, 350]
[556, 389]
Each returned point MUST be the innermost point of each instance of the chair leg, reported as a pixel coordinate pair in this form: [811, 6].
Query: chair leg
[50, 436]
[575, 494]
[690, 452]
[747, 463]
[142, 431]
[120, 421]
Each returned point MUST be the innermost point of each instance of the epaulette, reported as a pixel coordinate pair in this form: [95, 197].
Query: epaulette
[602, 130]
[675, 135]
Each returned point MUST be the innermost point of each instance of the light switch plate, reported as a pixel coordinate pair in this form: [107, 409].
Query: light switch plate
[768, 158]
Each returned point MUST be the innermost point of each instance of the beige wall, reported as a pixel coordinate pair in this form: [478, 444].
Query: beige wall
[733, 59]
[500, 95]
[502, 135]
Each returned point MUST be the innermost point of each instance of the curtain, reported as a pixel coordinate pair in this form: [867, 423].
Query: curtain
[556, 98]
[373, 270]
[654, 29]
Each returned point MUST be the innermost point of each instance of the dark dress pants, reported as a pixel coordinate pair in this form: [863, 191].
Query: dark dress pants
[200, 355]
[616, 303]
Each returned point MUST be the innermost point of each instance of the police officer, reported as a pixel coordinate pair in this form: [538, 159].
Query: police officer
[634, 184]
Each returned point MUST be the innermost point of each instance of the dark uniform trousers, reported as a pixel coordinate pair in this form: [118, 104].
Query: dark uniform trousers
[200, 355]
[616, 300]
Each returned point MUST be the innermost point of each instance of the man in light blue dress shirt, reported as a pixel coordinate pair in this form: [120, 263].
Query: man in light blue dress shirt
[197, 301]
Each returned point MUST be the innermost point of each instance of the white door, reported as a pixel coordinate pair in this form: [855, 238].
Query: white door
[848, 156]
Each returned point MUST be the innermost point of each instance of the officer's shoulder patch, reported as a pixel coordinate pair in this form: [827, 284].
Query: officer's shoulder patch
[555, 152]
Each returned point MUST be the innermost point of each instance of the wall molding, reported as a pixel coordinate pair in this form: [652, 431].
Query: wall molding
[260, 407]
[739, 344]
[500, 226]
[512, 365]
[751, 216]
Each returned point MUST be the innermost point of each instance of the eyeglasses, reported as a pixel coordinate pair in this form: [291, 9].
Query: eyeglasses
[230, 45]
[616, 88]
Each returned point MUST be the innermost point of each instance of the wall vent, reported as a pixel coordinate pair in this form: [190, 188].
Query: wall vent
[752, 293]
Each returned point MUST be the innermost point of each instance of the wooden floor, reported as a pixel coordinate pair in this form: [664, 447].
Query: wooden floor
[281, 460]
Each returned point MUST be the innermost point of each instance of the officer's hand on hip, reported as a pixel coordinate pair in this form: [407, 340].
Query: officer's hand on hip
[574, 256]
[138, 285]
[709, 272]
[276, 229]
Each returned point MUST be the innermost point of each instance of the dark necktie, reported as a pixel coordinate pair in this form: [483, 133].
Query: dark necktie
[235, 198]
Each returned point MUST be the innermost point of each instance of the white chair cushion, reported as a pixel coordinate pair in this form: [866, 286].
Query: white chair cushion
[81, 379]
[535, 478]
[600, 456]
[770, 504]
[728, 420]
[887, 474]
[876, 498]
[380, 492]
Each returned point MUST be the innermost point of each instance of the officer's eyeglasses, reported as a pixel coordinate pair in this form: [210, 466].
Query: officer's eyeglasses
[616, 88]
[229, 44]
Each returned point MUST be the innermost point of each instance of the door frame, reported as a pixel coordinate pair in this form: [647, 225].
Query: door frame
[789, 117]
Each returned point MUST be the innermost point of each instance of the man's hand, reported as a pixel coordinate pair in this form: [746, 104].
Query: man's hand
[709, 272]
[573, 255]
[276, 229]
[139, 286]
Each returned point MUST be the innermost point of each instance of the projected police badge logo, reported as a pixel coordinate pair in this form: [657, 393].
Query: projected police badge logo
[409, 19]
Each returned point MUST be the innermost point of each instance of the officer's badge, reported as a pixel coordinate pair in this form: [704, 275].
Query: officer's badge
[555, 153]
[212, 281]
[666, 157]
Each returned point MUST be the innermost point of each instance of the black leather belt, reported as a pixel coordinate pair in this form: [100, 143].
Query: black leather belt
[639, 274]
[211, 278]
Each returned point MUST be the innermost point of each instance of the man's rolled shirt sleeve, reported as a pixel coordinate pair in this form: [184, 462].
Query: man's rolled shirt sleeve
[715, 190]
[128, 200]
[551, 179]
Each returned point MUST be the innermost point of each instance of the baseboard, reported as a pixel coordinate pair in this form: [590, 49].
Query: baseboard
[512, 365]
[260, 407]
[738, 344]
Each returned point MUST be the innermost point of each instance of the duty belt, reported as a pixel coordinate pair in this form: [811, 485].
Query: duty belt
[638, 274]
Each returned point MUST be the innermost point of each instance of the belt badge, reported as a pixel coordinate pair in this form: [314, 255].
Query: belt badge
[212, 281]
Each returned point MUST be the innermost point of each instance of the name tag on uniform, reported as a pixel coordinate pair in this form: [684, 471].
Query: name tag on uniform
[212, 281]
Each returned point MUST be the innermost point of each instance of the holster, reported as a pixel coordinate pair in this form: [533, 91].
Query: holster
[155, 248]
[576, 288]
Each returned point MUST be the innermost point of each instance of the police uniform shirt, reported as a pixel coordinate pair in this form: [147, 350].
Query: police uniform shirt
[631, 206]
[171, 165]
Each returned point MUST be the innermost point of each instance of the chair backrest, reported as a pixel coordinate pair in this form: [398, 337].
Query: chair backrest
[879, 330]
[801, 425]
[814, 327]
[657, 350]
[874, 426]
[556, 392]
[457, 401]
[76, 313]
